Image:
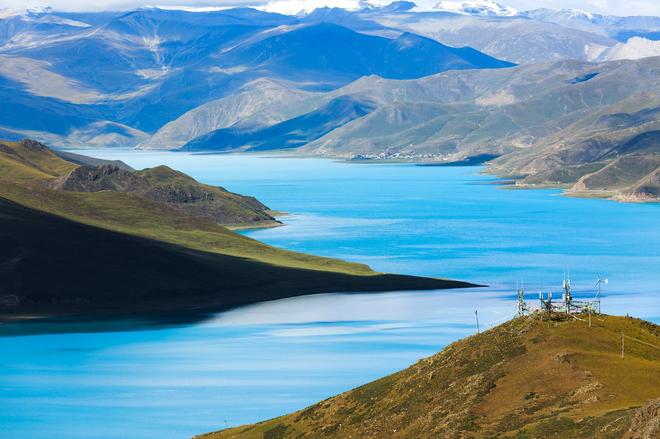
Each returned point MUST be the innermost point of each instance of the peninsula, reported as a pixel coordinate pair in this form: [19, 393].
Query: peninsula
[81, 238]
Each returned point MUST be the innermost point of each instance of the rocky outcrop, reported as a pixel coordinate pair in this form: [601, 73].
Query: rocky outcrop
[647, 189]
[177, 194]
[174, 189]
[100, 178]
[33, 145]
[646, 422]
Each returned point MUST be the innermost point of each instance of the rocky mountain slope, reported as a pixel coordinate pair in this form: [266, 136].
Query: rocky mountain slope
[259, 103]
[117, 251]
[293, 133]
[446, 115]
[114, 79]
[549, 123]
[526, 378]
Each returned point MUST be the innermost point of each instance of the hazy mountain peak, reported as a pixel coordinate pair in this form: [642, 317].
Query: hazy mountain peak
[567, 13]
[634, 48]
[398, 6]
[475, 7]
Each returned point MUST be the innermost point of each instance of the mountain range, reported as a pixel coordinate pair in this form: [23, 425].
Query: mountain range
[551, 123]
[116, 78]
[125, 76]
[434, 83]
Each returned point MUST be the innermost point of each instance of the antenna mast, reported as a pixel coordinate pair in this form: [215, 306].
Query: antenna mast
[599, 282]
[521, 306]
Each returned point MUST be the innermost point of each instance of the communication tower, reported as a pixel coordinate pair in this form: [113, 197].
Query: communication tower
[521, 306]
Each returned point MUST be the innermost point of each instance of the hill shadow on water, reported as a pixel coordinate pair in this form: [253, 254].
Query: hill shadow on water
[61, 267]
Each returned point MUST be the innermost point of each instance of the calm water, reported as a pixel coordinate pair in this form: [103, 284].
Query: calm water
[100, 380]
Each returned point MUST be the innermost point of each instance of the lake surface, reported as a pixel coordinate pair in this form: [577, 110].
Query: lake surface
[87, 380]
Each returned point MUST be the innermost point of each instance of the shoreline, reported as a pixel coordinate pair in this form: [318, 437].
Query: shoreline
[263, 224]
[190, 312]
[509, 182]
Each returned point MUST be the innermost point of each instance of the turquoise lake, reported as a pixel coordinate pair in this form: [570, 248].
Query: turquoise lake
[135, 379]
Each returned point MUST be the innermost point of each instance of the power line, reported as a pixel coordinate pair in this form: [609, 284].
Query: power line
[641, 341]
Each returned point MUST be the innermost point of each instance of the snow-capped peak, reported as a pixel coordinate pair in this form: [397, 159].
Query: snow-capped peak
[40, 14]
[546, 14]
[39, 9]
[577, 13]
[475, 7]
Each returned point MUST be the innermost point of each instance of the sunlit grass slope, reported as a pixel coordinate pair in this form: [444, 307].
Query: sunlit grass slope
[26, 167]
[527, 378]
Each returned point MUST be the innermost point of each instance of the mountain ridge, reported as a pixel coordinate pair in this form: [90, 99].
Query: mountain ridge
[124, 76]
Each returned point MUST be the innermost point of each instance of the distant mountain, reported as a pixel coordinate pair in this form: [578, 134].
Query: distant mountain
[634, 48]
[485, 8]
[524, 378]
[619, 28]
[513, 38]
[292, 133]
[541, 119]
[28, 27]
[163, 78]
[460, 113]
[259, 103]
[113, 79]
[338, 54]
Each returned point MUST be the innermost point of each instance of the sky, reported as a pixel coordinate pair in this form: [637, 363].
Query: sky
[614, 7]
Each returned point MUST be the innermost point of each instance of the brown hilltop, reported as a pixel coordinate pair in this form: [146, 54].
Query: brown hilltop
[527, 378]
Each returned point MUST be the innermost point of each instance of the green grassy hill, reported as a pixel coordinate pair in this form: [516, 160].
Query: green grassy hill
[527, 378]
[67, 252]
[173, 188]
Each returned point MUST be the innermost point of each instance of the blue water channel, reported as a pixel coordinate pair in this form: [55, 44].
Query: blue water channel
[139, 379]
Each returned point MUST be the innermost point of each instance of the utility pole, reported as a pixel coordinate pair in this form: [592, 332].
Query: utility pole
[476, 315]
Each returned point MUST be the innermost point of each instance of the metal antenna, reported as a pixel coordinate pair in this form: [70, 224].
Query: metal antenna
[599, 282]
[522, 306]
[476, 315]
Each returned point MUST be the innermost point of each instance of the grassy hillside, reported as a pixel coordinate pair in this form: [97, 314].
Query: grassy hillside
[172, 188]
[58, 266]
[527, 378]
[86, 252]
[28, 168]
